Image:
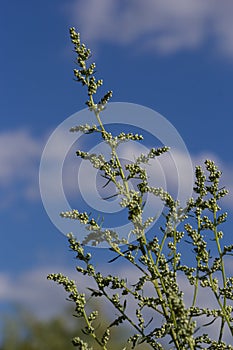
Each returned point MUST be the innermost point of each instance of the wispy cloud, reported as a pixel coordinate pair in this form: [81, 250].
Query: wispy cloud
[34, 292]
[168, 171]
[44, 299]
[17, 150]
[157, 25]
[19, 155]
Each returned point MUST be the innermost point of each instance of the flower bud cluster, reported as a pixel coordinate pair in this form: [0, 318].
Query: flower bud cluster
[129, 136]
[228, 290]
[76, 215]
[86, 128]
[98, 162]
[154, 152]
[69, 286]
[78, 342]
[85, 75]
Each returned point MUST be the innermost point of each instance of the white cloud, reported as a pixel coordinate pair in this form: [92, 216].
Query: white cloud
[17, 150]
[32, 291]
[168, 171]
[19, 155]
[35, 293]
[164, 26]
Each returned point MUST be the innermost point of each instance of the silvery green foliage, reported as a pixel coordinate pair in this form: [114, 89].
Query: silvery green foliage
[158, 260]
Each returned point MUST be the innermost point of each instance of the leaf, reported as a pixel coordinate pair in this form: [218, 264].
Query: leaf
[117, 321]
[95, 292]
[149, 322]
[124, 305]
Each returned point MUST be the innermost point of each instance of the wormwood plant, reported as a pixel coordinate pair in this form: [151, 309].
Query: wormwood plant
[158, 259]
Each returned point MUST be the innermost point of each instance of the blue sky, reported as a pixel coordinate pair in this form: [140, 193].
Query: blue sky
[175, 57]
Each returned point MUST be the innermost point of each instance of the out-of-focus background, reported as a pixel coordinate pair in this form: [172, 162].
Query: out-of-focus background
[175, 57]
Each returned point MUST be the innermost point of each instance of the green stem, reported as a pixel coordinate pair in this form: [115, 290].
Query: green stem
[197, 269]
[175, 249]
[223, 309]
[222, 271]
[97, 115]
[143, 243]
[94, 336]
[123, 313]
[160, 295]
[161, 248]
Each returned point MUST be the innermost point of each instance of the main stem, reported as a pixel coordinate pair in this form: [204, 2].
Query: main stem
[222, 271]
[97, 115]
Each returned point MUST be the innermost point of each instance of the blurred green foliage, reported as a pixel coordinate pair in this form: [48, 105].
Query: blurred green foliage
[24, 331]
